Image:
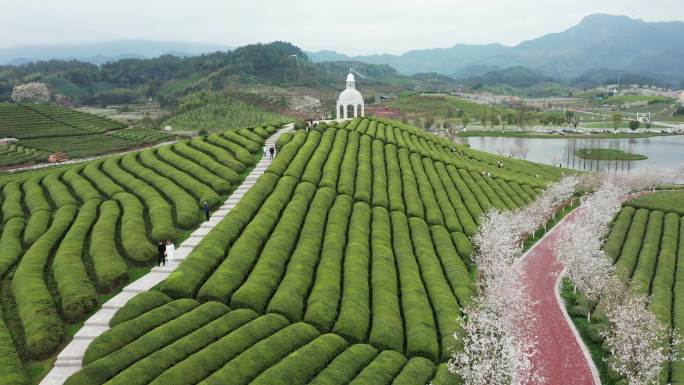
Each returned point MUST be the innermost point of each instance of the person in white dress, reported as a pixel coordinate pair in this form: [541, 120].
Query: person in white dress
[170, 249]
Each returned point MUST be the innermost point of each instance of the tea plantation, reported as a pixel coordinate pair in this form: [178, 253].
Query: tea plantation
[347, 263]
[647, 244]
[44, 129]
[73, 234]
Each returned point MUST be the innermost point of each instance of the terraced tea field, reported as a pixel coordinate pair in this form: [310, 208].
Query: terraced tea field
[44, 129]
[73, 234]
[347, 262]
[647, 244]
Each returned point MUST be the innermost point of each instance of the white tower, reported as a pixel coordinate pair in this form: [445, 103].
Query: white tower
[350, 98]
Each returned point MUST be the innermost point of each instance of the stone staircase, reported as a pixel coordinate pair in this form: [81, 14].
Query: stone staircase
[69, 360]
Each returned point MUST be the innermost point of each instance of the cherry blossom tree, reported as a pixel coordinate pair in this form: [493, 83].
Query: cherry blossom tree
[36, 92]
[637, 341]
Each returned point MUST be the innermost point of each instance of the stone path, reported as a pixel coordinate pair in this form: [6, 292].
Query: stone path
[561, 356]
[69, 360]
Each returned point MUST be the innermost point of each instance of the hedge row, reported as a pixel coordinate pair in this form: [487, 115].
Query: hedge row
[630, 250]
[222, 155]
[201, 192]
[110, 268]
[167, 155]
[296, 167]
[474, 199]
[99, 371]
[380, 183]
[452, 218]
[244, 368]
[677, 368]
[126, 332]
[159, 210]
[103, 182]
[364, 172]
[433, 212]
[186, 208]
[663, 280]
[465, 205]
[141, 303]
[35, 197]
[211, 358]
[270, 266]
[42, 325]
[412, 197]
[11, 368]
[81, 186]
[244, 252]
[37, 225]
[455, 269]
[303, 364]
[331, 169]
[322, 304]
[59, 193]
[475, 179]
[76, 292]
[290, 296]
[241, 155]
[441, 296]
[133, 229]
[346, 365]
[353, 321]
[287, 153]
[314, 168]
[207, 162]
[245, 144]
[418, 370]
[198, 266]
[11, 203]
[648, 255]
[251, 135]
[395, 186]
[618, 233]
[382, 370]
[11, 244]
[421, 333]
[387, 330]
[347, 180]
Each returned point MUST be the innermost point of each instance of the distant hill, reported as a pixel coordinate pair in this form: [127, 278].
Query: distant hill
[606, 42]
[104, 52]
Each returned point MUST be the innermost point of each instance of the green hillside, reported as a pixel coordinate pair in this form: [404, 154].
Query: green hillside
[347, 262]
[72, 235]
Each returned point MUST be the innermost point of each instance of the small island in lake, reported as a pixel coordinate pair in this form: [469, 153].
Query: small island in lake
[607, 154]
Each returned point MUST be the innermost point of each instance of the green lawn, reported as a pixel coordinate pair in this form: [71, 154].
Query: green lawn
[667, 201]
[607, 154]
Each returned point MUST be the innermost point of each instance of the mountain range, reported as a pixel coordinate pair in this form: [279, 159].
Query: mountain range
[599, 42]
[105, 52]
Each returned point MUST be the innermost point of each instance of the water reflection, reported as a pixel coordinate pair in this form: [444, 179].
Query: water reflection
[662, 151]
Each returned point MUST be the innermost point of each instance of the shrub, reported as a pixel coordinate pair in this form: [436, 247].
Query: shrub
[322, 304]
[284, 139]
[412, 198]
[346, 365]
[245, 143]
[451, 218]
[498, 190]
[271, 263]
[364, 171]
[203, 363]
[43, 327]
[37, 225]
[296, 167]
[262, 355]
[455, 269]
[331, 169]
[394, 180]
[353, 321]
[463, 246]
[81, 186]
[387, 330]
[444, 377]
[677, 368]
[202, 174]
[140, 304]
[59, 193]
[102, 181]
[345, 185]
[380, 197]
[209, 163]
[11, 367]
[417, 371]
[196, 268]
[630, 250]
[35, 197]
[618, 233]
[421, 333]
[76, 292]
[289, 298]
[314, 168]
[286, 154]
[222, 155]
[303, 364]
[11, 204]
[126, 332]
[110, 268]
[133, 229]
[467, 209]
[648, 255]
[433, 213]
[382, 370]
[474, 199]
[244, 252]
[11, 244]
[663, 280]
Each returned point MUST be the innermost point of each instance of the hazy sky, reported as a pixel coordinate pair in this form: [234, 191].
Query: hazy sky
[348, 26]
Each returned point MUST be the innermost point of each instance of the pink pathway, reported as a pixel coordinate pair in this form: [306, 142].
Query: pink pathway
[560, 356]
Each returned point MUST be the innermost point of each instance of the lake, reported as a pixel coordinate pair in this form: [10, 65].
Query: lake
[662, 151]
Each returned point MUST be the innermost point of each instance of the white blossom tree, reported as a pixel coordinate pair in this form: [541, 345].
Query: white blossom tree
[36, 92]
[638, 342]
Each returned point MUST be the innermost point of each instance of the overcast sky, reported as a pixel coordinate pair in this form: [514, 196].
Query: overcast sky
[348, 26]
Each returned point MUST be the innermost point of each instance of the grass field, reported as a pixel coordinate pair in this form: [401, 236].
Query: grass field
[13, 154]
[608, 154]
[72, 235]
[347, 262]
[646, 242]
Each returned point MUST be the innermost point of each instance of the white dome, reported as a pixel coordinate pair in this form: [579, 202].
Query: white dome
[350, 96]
[350, 77]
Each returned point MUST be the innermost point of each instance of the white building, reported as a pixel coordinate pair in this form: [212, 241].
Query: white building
[350, 103]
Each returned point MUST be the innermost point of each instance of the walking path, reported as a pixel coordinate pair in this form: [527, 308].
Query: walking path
[561, 356]
[69, 360]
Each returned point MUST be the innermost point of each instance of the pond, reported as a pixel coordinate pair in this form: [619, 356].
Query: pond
[662, 151]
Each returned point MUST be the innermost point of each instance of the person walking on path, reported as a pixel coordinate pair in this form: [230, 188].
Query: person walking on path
[170, 249]
[207, 210]
[271, 151]
[161, 253]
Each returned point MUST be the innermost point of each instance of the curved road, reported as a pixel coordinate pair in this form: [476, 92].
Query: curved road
[561, 357]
